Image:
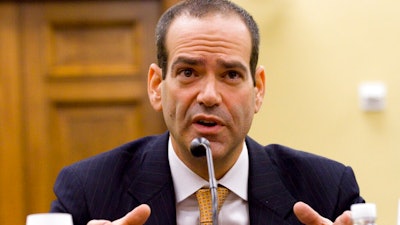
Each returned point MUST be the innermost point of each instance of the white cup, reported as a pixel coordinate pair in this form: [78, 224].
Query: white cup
[49, 219]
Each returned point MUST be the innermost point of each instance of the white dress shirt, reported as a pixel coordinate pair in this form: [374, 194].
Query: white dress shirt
[234, 211]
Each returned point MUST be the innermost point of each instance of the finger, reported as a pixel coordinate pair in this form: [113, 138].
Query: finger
[99, 222]
[309, 216]
[344, 219]
[137, 216]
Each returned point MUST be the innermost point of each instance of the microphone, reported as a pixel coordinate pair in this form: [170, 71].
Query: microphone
[201, 147]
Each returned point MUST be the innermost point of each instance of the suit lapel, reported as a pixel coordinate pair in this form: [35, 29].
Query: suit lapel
[153, 184]
[269, 200]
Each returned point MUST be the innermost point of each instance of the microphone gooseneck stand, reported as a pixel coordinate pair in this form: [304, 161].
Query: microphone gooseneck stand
[201, 147]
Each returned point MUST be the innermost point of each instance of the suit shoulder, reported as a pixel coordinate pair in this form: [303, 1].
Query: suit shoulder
[284, 154]
[299, 164]
[126, 153]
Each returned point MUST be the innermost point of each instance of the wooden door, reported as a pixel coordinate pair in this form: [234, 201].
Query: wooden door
[11, 138]
[84, 68]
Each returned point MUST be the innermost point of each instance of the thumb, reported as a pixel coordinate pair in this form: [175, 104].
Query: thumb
[137, 216]
[309, 216]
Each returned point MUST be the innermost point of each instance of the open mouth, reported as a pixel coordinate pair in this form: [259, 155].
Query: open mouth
[207, 123]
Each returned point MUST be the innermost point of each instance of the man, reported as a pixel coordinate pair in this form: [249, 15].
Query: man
[207, 84]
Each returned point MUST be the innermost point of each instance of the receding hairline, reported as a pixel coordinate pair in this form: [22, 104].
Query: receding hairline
[208, 15]
[188, 17]
[200, 9]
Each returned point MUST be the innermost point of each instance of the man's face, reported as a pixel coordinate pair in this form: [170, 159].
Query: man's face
[208, 90]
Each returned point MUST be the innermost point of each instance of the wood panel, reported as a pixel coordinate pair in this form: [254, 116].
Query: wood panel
[11, 164]
[84, 73]
[83, 130]
[75, 49]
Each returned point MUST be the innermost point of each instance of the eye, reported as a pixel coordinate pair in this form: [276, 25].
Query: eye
[186, 72]
[233, 75]
[186, 75]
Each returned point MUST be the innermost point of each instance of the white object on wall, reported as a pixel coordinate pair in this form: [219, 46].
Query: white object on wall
[398, 213]
[372, 96]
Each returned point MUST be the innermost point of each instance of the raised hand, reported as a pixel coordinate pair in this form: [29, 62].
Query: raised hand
[309, 216]
[137, 216]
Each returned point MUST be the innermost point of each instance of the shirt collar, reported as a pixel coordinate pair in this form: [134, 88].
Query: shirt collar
[236, 179]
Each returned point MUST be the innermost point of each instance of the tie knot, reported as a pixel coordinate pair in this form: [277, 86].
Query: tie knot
[203, 196]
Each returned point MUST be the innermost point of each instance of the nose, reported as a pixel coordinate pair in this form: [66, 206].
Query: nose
[209, 94]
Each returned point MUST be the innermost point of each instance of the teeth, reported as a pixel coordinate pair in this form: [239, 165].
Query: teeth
[207, 123]
[204, 121]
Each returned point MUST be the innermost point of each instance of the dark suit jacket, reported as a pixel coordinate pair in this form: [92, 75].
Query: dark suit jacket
[111, 184]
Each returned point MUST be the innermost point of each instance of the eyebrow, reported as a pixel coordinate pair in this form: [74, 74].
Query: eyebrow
[198, 61]
[188, 61]
[232, 64]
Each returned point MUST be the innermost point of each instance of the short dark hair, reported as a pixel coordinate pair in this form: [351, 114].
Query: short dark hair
[199, 9]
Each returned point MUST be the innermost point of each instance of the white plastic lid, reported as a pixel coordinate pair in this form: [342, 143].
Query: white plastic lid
[363, 210]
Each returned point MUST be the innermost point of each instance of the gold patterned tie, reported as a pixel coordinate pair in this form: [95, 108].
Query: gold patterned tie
[205, 205]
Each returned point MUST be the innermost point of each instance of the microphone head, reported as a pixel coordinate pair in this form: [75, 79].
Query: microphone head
[199, 146]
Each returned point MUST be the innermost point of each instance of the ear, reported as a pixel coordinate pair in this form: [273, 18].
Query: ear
[154, 81]
[259, 88]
